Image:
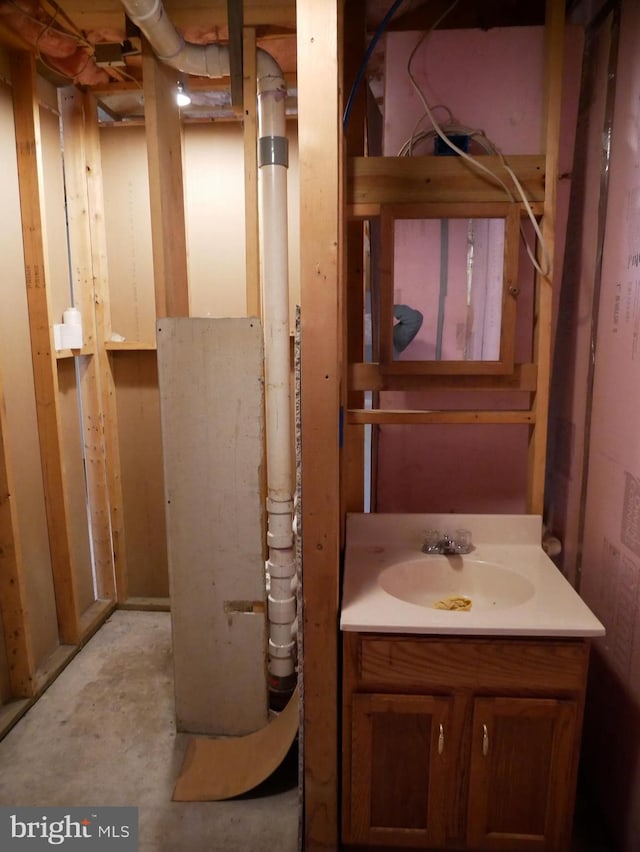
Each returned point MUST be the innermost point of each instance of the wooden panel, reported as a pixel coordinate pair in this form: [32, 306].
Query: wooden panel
[216, 222]
[72, 458]
[166, 194]
[318, 40]
[30, 176]
[398, 770]
[211, 378]
[135, 379]
[484, 665]
[21, 428]
[402, 180]
[127, 219]
[54, 215]
[522, 782]
[16, 655]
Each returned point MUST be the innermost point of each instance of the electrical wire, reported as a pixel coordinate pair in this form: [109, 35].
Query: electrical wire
[367, 56]
[543, 270]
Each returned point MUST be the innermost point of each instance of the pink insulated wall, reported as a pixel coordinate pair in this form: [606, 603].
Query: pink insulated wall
[610, 548]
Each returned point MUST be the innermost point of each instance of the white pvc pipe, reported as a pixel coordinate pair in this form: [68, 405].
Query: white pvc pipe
[213, 61]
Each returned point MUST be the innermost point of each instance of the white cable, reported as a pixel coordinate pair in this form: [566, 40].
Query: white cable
[476, 163]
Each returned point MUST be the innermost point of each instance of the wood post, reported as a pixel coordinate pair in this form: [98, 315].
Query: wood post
[250, 127]
[30, 176]
[72, 103]
[13, 602]
[554, 47]
[164, 150]
[320, 152]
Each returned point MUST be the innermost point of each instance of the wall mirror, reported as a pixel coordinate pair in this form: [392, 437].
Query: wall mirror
[456, 267]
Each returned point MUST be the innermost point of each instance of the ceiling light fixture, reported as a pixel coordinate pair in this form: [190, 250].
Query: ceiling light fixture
[183, 98]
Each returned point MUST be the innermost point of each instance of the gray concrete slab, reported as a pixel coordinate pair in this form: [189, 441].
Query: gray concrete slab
[104, 734]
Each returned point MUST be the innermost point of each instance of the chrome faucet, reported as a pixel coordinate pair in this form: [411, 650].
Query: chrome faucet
[445, 543]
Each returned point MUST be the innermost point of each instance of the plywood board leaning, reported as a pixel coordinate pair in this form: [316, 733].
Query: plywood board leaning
[211, 398]
[220, 769]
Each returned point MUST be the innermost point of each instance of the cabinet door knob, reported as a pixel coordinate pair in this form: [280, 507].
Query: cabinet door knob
[441, 740]
[485, 740]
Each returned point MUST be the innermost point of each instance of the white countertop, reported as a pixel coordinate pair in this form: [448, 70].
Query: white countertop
[376, 542]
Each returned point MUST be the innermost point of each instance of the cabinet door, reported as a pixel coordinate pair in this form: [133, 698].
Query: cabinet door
[399, 750]
[522, 774]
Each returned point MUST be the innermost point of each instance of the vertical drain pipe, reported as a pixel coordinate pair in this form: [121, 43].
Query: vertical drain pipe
[273, 162]
[212, 60]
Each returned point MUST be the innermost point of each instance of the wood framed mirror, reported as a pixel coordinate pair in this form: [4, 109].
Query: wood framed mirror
[457, 266]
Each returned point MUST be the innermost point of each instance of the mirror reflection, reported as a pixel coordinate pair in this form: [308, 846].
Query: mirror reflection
[447, 289]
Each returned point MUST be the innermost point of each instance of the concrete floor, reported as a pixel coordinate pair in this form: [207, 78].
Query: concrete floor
[104, 734]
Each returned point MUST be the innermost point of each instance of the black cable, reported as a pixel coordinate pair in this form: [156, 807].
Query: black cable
[360, 73]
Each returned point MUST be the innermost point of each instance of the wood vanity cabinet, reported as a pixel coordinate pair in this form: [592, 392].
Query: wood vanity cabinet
[452, 743]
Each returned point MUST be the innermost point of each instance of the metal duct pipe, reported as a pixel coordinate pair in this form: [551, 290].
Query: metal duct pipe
[212, 60]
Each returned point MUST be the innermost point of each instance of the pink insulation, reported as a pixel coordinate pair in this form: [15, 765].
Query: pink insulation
[610, 548]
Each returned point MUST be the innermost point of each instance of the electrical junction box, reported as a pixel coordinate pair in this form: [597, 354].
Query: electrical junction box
[460, 140]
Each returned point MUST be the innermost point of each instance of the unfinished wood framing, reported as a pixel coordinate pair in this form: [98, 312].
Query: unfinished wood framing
[13, 600]
[30, 174]
[319, 83]
[554, 51]
[82, 266]
[109, 421]
[445, 180]
[250, 129]
[396, 187]
[353, 462]
[389, 415]
[164, 150]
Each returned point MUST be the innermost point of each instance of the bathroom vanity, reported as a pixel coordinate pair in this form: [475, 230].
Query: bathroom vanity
[461, 729]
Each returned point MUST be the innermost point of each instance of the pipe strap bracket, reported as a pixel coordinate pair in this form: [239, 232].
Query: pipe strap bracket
[273, 151]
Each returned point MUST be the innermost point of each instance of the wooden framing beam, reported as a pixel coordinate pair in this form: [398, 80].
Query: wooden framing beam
[203, 13]
[13, 600]
[81, 256]
[236, 43]
[402, 180]
[379, 377]
[164, 151]
[109, 424]
[30, 177]
[353, 463]
[554, 50]
[321, 198]
[390, 416]
[250, 129]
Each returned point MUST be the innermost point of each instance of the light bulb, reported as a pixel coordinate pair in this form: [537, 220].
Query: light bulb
[182, 96]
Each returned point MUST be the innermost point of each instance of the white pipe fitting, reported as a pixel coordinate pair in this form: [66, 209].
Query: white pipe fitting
[282, 611]
[285, 568]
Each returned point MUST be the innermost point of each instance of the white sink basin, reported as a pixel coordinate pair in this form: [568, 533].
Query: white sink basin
[390, 586]
[434, 578]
